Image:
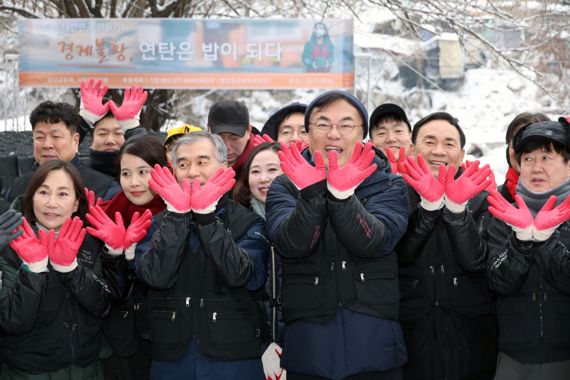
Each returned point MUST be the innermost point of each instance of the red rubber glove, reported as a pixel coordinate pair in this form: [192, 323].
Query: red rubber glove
[136, 231]
[301, 145]
[548, 218]
[492, 185]
[163, 182]
[342, 181]
[430, 189]
[69, 239]
[32, 250]
[520, 219]
[92, 108]
[471, 182]
[128, 114]
[271, 360]
[91, 199]
[206, 197]
[299, 171]
[398, 166]
[112, 233]
[257, 139]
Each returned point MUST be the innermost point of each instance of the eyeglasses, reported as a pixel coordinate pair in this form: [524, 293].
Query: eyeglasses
[343, 128]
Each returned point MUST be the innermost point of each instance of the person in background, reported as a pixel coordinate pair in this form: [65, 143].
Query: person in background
[446, 309]
[391, 132]
[260, 169]
[318, 52]
[175, 133]
[528, 265]
[59, 336]
[335, 219]
[287, 125]
[205, 268]
[508, 189]
[230, 120]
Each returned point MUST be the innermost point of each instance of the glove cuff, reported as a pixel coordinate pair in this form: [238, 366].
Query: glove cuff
[340, 194]
[431, 206]
[38, 266]
[173, 209]
[130, 252]
[89, 116]
[114, 251]
[129, 123]
[456, 208]
[523, 234]
[64, 268]
[208, 210]
[543, 235]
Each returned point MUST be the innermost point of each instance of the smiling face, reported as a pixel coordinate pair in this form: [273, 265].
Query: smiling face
[55, 200]
[134, 176]
[391, 134]
[340, 113]
[196, 160]
[54, 141]
[440, 144]
[108, 135]
[293, 128]
[263, 170]
[543, 170]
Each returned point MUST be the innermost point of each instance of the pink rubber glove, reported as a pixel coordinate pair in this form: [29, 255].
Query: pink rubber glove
[471, 182]
[91, 199]
[205, 198]
[398, 166]
[299, 171]
[520, 219]
[92, 108]
[112, 233]
[69, 239]
[301, 145]
[163, 182]
[136, 231]
[32, 250]
[492, 185]
[341, 182]
[128, 114]
[430, 189]
[548, 218]
[257, 139]
[271, 360]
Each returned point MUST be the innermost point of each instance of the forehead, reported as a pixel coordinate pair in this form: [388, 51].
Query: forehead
[58, 178]
[338, 110]
[265, 157]
[202, 147]
[43, 127]
[391, 124]
[108, 123]
[293, 118]
[130, 161]
[440, 130]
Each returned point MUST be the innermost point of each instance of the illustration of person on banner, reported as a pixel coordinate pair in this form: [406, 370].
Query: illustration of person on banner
[318, 53]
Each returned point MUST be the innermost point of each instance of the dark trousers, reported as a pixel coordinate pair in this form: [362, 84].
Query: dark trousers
[394, 374]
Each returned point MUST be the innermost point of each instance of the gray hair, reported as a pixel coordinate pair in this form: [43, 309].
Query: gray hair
[220, 149]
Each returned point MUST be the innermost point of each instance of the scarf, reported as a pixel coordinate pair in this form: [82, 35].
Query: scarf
[241, 159]
[258, 207]
[121, 203]
[104, 162]
[512, 178]
[535, 201]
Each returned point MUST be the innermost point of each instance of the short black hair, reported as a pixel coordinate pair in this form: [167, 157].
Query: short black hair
[546, 144]
[53, 113]
[438, 116]
[146, 147]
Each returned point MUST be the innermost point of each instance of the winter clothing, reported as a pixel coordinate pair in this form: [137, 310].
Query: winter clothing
[386, 109]
[446, 309]
[104, 162]
[63, 329]
[228, 116]
[555, 131]
[215, 304]
[271, 126]
[237, 166]
[532, 280]
[508, 190]
[340, 296]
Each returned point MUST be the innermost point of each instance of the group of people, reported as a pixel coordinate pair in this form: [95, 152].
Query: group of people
[297, 252]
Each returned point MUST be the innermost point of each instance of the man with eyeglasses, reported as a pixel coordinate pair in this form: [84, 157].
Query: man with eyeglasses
[335, 217]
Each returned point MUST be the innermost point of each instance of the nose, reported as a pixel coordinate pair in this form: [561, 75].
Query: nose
[334, 133]
[438, 150]
[51, 201]
[390, 136]
[48, 142]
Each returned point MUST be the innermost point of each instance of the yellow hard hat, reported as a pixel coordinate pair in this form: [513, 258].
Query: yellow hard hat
[176, 132]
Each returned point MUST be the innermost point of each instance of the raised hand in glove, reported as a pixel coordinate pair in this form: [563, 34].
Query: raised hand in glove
[163, 182]
[471, 182]
[430, 189]
[492, 183]
[206, 197]
[69, 239]
[271, 360]
[32, 250]
[399, 165]
[136, 231]
[128, 114]
[342, 181]
[520, 219]
[549, 218]
[9, 223]
[299, 171]
[112, 233]
[92, 200]
[92, 108]
[257, 139]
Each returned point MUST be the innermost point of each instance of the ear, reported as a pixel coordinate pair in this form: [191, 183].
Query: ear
[248, 132]
[75, 206]
[75, 138]
[462, 156]
[412, 150]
